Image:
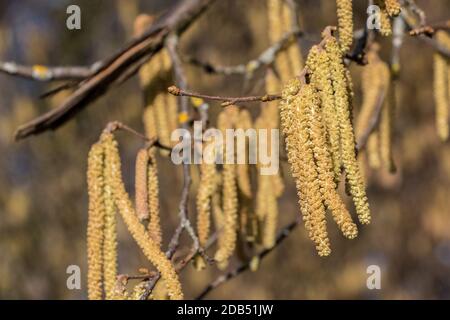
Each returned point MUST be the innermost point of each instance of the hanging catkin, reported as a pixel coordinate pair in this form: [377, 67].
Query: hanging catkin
[441, 86]
[109, 243]
[317, 59]
[154, 225]
[244, 122]
[317, 62]
[293, 108]
[141, 192]
[352, 171]
[226, 120]
[207, 187]
[385, 129]
[293, 49]
[95, 179]
[385, 22]
[373, 150]
[345, 23]
[137, 230]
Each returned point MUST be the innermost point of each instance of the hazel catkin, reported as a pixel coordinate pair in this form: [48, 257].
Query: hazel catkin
[352, 171]
[95, 231]
[137, 230]
[345, 23]
[295, 101]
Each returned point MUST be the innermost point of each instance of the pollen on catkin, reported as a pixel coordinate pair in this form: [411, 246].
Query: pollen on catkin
[109, 243]
[324, 164]
[317, 62]
[294, 122]
[141, 192]
[393, 7]
[95, 231]
[345, 23]
[351, 168]
[136, 229]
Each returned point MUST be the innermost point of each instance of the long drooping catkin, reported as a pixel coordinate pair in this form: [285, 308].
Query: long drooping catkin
[207, 187]
[352, 171]
[441, 86]
[141, 192]
[109, 242]
[244, 122]
[226, 120]
[345, 23]
[293, 50]
[95, 179]
[296, 99]
[322, 156]
[317, 62]
[373, 150]
[137, 230]
[154, 225]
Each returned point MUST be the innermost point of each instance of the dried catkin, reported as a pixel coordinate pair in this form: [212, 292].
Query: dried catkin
[441, 90]
[109, 243]
[345, 23]
[393, 7]
[95, 179]
[137, 230]
[293, 108]
[324, 163]
[317, 62]
[141, 192]
[348, 153]
[226, 120]
[154, 225]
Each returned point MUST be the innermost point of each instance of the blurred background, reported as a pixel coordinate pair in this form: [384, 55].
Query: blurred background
[43, 196]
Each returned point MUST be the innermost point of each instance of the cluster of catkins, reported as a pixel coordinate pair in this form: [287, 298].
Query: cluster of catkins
[388, 10]
[442, 86]
[377, 91]
[317, 125]
[160, 114]
[107, 195]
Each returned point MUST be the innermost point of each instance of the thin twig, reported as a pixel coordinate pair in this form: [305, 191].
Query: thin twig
[226, 100]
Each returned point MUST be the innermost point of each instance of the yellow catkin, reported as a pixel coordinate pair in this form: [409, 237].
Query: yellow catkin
[275, 31]
[226, 120]
[109, 243]
[154, 225]
[138, 291]
[373, 151]
[136, 229]
[141, 192]
[323, 160]
[385, 129]
[162, 121]
[393, 7]
[120, 289]
[207, 187]
[271, 217]
[385, 23]
[441, 91]
[352, 171]
[95, 179]
[293, 49]
[345, 23]
[244, 122]
[300, 154]
[317, 59]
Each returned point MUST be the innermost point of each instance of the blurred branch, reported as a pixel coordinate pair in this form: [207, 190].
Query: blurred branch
[266, 58]
[47, 73]
[141, 50]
